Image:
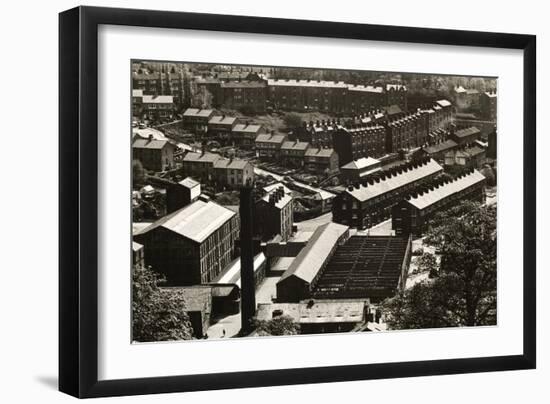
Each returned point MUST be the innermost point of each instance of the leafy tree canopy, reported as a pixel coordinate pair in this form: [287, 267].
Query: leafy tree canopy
[157, 315]
[464, 293]
[292, 120]
[280, 325]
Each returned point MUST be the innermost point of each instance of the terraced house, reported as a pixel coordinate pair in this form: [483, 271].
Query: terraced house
[268, 145]
[366, 204]
[232, 172]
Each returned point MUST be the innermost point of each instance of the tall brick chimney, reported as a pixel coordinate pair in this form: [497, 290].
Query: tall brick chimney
[248, 296]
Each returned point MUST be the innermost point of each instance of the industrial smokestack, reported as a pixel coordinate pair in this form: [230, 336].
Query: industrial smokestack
[248, 297]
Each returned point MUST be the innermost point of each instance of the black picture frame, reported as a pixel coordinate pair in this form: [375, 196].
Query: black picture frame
[78, 195]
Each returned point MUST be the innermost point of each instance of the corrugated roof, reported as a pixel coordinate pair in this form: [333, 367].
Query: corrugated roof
[137, 93]
[394, 182]
[309, 261]
[196, 221]
[444, 103]
[361, 163]
[446, 190]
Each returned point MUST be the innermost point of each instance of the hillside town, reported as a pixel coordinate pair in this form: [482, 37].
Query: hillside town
[284, 201]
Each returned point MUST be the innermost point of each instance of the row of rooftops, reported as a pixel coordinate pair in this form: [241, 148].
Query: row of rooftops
[394, 179]
[216, 160]
[445, 189]
[294, 145]
[245, 127]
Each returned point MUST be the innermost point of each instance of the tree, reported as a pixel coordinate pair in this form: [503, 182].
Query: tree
[138, 173]
[464, 293]
[427, 263]
[157, 315]
[280, 325]
[292, 121]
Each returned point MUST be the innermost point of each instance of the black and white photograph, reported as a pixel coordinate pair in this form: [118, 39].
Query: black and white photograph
[284, 201]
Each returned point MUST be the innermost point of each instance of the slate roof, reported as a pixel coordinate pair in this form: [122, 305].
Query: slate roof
[250, 128]
[309, 261]
[295, 145]
[140, 143]
[361, 163]
[234, 164]
[370, 191]
[195, 112]
[200, 157]
[467, 132]
[271, 138]
[446, 190]
[222, 120]
[440, 147]
[315, 152]
[196, 221]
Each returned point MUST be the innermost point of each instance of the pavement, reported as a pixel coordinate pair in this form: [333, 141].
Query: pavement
[265, 292]
[231, 325]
